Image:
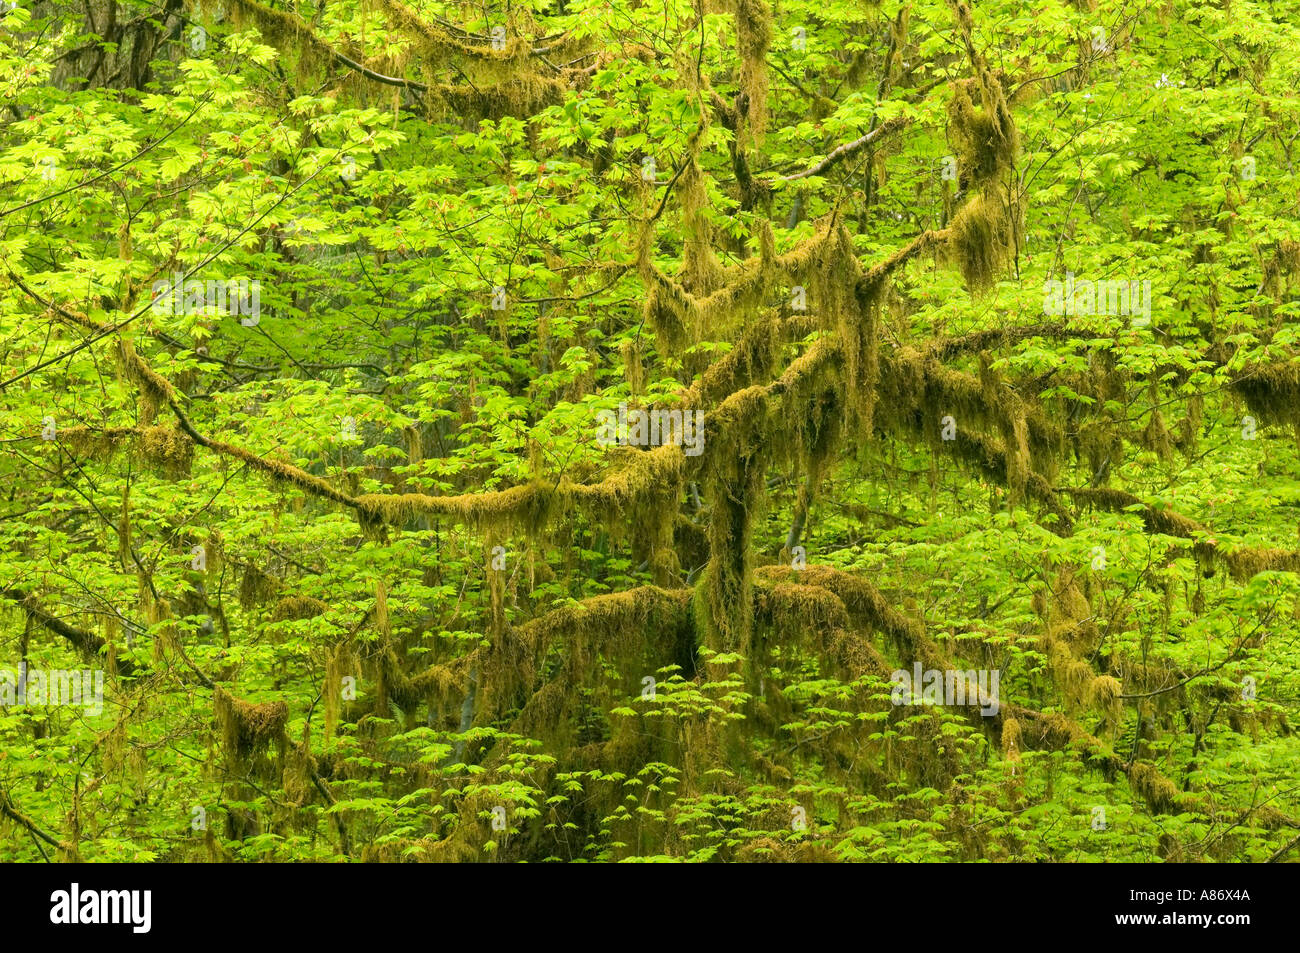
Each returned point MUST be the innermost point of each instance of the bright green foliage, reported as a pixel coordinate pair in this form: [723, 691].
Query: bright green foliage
[366, 584]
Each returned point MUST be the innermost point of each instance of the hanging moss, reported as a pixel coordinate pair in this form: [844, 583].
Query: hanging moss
[256, 587]
[985, 139]
[342, 661]
[640, 485]
[633, 368]
[99, 445]
[764, 413]
[155, 391]
[287, 32]
[1011, 739]
[438, 43]
[296, 608]
[701, 272]
[1247, 562]
[989, 459]
[1163, 521]
[867, 607]
[1155, 436]
[753, 358]
[1072, 675]
[814, 619]
[522, 96]
[726, 597]
[248, 729]
[1011, 421]
[1105, 692]
[1160, 793]
[1272, 392]
[298, 770]
[440, 684]
[753, 38]
[523, 506]
[165, 449]
[665, 322]
[984, 230]
[919, 389]
[981, 241]
[608, 629]
[718, 299]
[643, 484]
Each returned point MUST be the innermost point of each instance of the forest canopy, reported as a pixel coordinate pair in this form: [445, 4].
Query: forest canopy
[649, 430]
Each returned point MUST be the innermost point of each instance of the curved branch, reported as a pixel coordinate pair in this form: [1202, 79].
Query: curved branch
[842, 152]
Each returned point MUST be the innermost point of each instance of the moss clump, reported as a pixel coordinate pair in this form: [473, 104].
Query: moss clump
[765, 850]
[165, 449]
[1272, 392]
[1160, 793]
[1245, 563]
[155, 390]
[256, 587]
[342, 661]
[642, 484]
[1011, 739]
[168, 449]
[985, 138]
[99, 445]
[1163, 521]
[287, 32]
[532, 669]
[528, 506]
[753, 37]
[248, 729]
[296, 608]
[1104, 693]
[753, 358]
[982, 239]
[521, 96]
